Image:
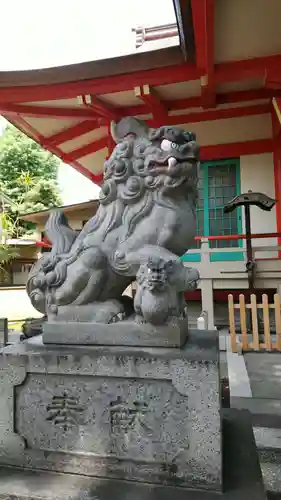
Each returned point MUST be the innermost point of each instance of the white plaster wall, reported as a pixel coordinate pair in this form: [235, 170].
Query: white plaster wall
[257, 174]
[244, 128]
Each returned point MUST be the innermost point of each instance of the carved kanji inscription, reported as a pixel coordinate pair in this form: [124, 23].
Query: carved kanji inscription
[64, 410]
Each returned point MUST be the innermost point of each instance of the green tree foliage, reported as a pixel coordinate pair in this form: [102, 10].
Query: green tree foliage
[9, 227]
[28, 173]
[28, 176]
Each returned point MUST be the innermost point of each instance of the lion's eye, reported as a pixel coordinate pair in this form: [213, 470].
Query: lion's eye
[166, 145]
[175, 145]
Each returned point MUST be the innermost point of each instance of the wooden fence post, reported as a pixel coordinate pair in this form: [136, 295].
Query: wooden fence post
[266, 323]
[255, 328]
[243, 321]
[277, 311]
[232, 323]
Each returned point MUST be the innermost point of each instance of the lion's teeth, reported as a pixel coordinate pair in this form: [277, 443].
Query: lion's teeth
[172, 162]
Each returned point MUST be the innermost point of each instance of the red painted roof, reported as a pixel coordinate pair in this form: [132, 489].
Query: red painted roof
[227, 65]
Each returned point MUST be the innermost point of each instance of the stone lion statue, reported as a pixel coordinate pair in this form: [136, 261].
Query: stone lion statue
[162, 281]
[148, 199]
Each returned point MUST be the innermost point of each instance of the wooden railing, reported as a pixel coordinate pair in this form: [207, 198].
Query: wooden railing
[255, 332]
[212, 270]
[228, 237]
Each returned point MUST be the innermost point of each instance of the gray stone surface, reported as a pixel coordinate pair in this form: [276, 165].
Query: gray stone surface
[239, 383]
[265, 412]
[142, 414]
[144, 224]
[272, 479]
[242, 476]
[270, 461]
[123, 333]
[264, 370]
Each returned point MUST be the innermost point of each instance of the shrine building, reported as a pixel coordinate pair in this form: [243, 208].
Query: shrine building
[215, 72]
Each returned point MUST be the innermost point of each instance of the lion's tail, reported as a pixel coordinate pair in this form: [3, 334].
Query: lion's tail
[47, 272]
[59, 233]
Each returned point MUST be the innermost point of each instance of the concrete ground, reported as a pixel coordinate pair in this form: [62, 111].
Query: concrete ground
[264, 370]
[255, 384]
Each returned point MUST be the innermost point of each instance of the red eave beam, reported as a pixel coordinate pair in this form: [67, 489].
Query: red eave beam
[196, 101]
[73, 132]
[203, 26]
[235, 237]
[48, 111]
[155, 106]
[236, 149]
[247, 69]
[86, 150]
[105, 85]
[101, 108]
[152, 103]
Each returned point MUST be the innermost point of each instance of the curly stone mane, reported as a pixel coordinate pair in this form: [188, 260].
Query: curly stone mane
[151, 172]
[137, 176]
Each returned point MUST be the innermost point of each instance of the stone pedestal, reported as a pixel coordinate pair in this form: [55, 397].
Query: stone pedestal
[144, 414]
[242, 476]
[125, 333]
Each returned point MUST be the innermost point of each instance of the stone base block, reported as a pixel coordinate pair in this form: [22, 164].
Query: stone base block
[123, 333]
[141, 414]
[242, 476]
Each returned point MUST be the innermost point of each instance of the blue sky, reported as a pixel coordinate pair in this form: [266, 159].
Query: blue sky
[38, 34]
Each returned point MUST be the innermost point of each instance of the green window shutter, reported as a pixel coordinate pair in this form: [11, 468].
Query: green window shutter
[219, 182]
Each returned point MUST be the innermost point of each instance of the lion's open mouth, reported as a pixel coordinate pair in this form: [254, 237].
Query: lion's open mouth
[171, 162]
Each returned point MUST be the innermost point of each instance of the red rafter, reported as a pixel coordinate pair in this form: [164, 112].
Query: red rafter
[220, 114]
[195, 101]
[29, 130]
[247, 69]
[72, 132]
[203, 25]
[157, 107]
[47, 111]
[244, 95]
[93, 147]
[101, 108]
[177, 104]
